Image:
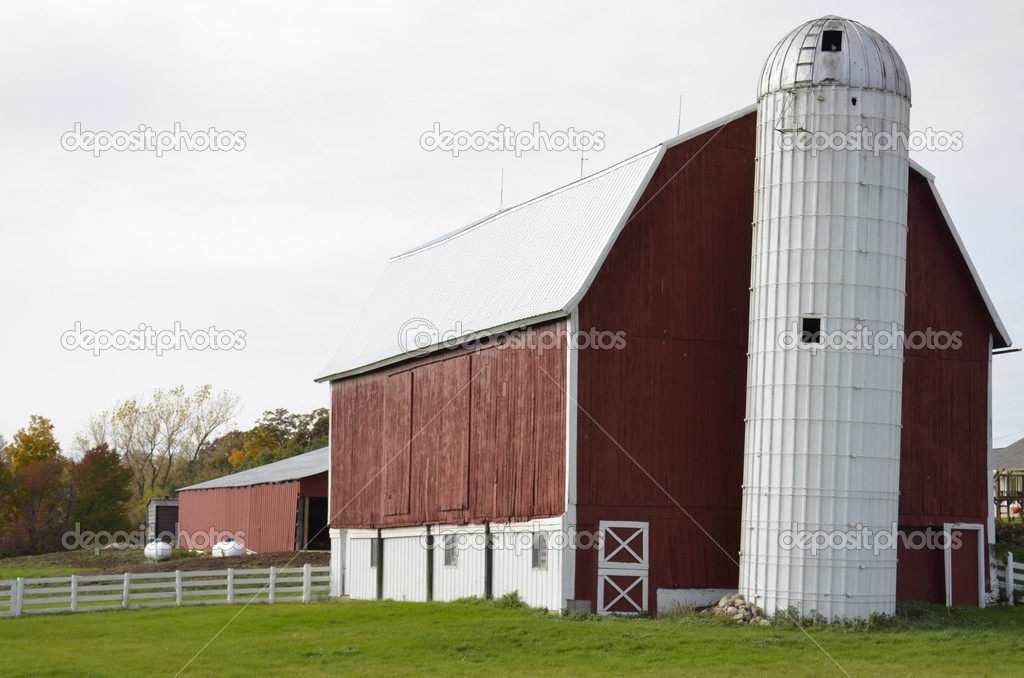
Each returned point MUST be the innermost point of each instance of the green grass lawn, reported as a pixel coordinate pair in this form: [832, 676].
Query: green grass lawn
[118, 561]
[410, 639]
[63, 563]
[12, 572]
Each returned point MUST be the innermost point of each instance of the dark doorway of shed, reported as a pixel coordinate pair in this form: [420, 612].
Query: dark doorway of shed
[313, 524]
[167, 524]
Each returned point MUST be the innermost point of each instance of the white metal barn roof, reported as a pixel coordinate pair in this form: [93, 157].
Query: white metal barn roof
[530, 263]
[524, 265]
[293, 468]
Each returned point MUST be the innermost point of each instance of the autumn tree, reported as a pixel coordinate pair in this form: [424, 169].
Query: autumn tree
[100, 490]
[39, 504]
[33, 496]
[6, 508]
[33, 444]
[280, 434]
[257, 442]
[212, 460]
[160, 433]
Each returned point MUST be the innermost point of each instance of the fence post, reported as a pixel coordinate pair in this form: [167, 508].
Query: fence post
[273, 583]
[127, 589]
[231, 584]
[74, 593]
[177, 588]
[1009, 578]
[306, 582]
[18, 595]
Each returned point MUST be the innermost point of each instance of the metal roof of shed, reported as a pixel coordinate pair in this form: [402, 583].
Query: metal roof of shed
[293, 468]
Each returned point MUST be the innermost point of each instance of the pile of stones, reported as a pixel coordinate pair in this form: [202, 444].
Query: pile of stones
[736, 606]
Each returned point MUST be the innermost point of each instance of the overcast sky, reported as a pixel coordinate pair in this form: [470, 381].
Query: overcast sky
[285, 239]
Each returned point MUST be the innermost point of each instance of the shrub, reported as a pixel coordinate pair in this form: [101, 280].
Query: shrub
[1009, 539]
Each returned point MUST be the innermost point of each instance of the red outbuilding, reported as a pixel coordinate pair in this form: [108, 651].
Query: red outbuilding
[276, 507]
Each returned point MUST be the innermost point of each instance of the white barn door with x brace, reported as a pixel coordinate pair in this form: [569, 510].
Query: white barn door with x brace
[622, 567]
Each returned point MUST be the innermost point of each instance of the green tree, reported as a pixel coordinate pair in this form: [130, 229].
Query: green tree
[100, 490]
[280, 423]
[311, 432]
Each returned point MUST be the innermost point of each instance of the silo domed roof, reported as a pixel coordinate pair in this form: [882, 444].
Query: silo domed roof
[833, 50]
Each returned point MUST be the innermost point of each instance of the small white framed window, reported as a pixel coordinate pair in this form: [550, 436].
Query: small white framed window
[451, 550]
[539, 552]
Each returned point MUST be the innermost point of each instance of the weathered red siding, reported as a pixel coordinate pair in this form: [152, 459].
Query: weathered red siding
[661, 421]
[266, 515]
[944, 451]
[462, 436]
[314, 486]
[921, 573]
[944, 445]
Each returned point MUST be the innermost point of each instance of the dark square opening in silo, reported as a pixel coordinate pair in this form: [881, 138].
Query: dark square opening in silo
[832, 41]
[810, 331]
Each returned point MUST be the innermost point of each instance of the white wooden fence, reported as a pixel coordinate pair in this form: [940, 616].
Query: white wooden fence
[1010, 577]
[78, 593]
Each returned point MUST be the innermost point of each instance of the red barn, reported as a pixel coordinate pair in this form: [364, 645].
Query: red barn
[551, 400]
[275, 507]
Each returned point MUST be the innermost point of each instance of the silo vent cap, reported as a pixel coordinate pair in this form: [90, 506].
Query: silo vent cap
[834, 51]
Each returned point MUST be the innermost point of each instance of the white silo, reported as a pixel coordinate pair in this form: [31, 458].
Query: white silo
[822, 437]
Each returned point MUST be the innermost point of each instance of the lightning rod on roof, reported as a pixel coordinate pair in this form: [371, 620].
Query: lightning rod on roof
[679, 120]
